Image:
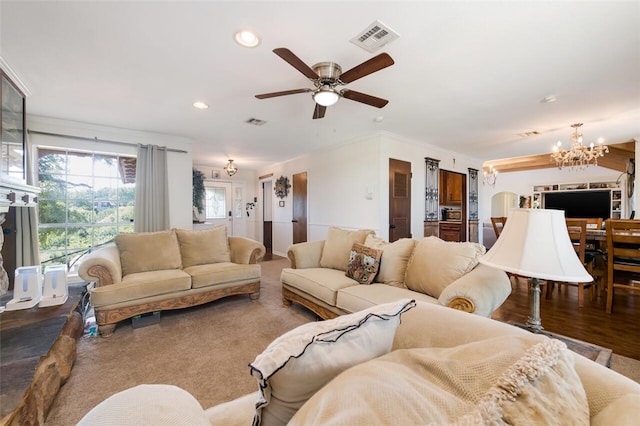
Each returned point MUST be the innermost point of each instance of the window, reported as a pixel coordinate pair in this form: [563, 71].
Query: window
[84, 202]
[215, 203]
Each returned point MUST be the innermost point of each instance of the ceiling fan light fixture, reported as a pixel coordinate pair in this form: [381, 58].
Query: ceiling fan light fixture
[247, 38]
[325, 96]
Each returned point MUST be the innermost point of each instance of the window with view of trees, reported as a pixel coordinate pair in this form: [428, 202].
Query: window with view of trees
[85, 200]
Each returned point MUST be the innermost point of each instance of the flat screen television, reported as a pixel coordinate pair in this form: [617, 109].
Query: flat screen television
[580, 204]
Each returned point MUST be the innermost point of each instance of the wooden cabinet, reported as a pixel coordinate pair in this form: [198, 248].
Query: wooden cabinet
[451, 231]
[450, 188]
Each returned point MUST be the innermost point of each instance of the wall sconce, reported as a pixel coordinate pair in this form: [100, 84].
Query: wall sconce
[230, 168]
[490, 176]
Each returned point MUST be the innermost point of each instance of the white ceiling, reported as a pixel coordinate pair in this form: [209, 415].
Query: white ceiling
[468, 76]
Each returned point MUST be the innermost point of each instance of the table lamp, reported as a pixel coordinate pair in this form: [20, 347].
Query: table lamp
[535, 243]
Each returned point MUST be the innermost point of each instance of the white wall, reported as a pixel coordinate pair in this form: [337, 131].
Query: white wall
[341, 177]
[179, 164]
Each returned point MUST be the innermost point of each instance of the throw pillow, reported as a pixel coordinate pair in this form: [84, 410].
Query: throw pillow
[471, 384]
[337, 246]
[395, 256]
[435, 264]
[363, 263]
[204, 246]
[300, 362]
[148, 251]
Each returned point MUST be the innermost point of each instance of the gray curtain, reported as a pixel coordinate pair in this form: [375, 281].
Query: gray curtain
[152, 189]
[27, 245]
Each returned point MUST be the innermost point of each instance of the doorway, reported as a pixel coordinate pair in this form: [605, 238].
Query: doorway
[267, 215]
[399, 199]
[219, 201]
[299, 216]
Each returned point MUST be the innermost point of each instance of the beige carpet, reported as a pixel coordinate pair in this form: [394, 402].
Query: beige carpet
[204, 350]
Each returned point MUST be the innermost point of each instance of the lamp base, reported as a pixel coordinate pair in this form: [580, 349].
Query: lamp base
[534, 323]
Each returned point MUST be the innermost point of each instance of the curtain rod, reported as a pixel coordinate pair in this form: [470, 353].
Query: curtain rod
[95, 139]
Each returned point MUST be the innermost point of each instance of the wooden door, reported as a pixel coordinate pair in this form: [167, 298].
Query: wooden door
[299, 217]
[399, 199]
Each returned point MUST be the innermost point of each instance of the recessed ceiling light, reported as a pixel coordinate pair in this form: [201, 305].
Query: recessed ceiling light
[200, 105]
[247, 38]
[379, 119]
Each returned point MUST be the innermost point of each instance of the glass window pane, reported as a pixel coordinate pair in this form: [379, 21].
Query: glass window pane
[52, 238]
[215, 203]
[105, 166]
[237, 203]
[51, 162]
[52, 211]
[105, 188]
[79, 187]
[80, 163]
[79, 211]
[104, 234]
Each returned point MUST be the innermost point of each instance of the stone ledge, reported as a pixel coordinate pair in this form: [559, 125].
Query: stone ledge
[51, 373]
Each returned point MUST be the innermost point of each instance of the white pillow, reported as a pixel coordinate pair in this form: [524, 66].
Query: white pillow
[395, 255]
[300, 362]
[435, 264]
[498, 381]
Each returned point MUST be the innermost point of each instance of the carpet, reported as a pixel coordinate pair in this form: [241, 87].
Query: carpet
[204, 350]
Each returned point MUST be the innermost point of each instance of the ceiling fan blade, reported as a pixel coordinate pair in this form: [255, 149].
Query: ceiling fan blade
[283, 93]
[374, 64]
[296, 62]
[319, 111]
[364, 98]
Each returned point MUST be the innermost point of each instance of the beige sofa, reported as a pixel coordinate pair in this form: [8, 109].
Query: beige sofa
[431, 270]
[433, 364]
[155, 271]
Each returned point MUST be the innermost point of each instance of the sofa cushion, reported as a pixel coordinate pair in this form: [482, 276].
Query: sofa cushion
[321, 283]
[298, 363]
[204, 246]
[148, 251]
[141, 285]
[359, 297]
[471, 384]
[222, 273]
[337, 247]
[158, 405]
[435, 264]
[393, 263]
[363, 263]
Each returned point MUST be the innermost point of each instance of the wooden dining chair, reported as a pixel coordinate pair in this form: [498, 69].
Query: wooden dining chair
[577, 229]
[498, 224]
[623, 257]
[595, 256]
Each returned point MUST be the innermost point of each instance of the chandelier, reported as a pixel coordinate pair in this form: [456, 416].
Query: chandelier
[579, 155]
[230, 168]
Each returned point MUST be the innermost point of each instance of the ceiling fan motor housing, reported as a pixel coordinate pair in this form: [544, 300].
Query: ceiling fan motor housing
[328, 73]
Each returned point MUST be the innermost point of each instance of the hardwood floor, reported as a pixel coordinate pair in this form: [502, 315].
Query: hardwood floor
[619, 331]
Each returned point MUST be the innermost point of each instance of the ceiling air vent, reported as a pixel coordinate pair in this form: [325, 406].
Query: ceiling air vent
[374, 37]
[529, 134]
[255, 121]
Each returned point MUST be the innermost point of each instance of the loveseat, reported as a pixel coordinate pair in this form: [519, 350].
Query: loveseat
[154, 271]
[353, 270]
[405, 362]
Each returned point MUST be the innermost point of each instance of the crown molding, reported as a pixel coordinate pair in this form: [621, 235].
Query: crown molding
[14, 77]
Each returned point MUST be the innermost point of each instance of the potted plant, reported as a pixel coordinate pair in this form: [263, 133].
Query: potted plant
[198, 195]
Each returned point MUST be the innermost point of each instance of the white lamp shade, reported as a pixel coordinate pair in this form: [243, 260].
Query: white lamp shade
[535, 243]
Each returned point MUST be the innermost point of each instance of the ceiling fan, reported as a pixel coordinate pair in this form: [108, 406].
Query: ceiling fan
[326, 76]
